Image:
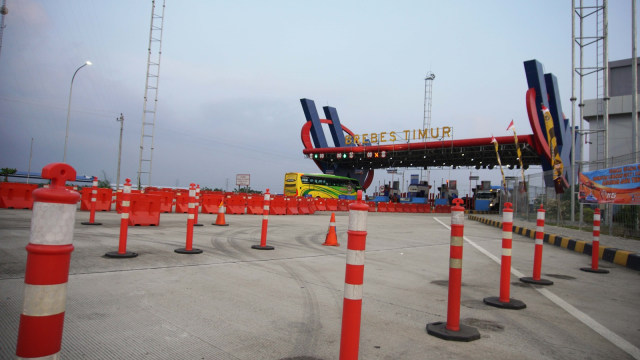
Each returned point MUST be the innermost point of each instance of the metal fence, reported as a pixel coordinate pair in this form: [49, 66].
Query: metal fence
[617, 220]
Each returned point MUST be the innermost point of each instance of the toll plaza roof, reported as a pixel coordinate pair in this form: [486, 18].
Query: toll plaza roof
[478, 153]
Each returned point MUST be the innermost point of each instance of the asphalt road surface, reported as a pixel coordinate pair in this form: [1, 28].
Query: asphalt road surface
[234, 302]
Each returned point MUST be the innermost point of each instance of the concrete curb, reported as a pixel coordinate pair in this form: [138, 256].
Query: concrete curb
[625, 258]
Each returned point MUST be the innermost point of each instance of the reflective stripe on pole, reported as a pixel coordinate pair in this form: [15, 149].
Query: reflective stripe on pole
[504, 301]
[92, 205]
[191, 216]
[265, 218]
[354, 275]
[47, 270]
[188, 249]
[537, 256]
[455, 266]
[265, 224]
[505, 263]
[595, 246]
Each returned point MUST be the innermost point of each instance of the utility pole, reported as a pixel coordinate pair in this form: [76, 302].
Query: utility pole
[121, 121]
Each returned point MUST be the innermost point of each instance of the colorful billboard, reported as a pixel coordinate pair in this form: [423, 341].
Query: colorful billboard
[619, 185]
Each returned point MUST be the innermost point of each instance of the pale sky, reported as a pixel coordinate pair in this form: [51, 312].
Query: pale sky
[233, 72]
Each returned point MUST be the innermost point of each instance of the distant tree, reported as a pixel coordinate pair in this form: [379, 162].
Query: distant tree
[6, 172]
[247, 190]
[104, 182]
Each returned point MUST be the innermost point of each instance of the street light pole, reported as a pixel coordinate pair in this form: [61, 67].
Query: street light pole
[121, 121]
[66, 136]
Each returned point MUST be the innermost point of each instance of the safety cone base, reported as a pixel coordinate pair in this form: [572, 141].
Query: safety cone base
[330, 244]
[126, 254]
[266, 247]
[530, 280]
[90, 223]
[597, 271]
[185, 251]
[466, 333]
[512, 304]
[198, 225]
[220, 224]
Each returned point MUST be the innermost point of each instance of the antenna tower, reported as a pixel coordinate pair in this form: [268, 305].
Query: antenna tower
[151, 91]
[428, 86]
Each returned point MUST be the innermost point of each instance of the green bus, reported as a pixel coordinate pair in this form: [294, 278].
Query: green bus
[319, 185]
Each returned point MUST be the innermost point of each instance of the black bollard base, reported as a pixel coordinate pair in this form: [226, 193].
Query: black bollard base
[266, 247]
[90, 223]
[512, 304]
[198, 225]
[115, 254]
[185, 251]
[530, 280]
[466, 333]
[597, 271]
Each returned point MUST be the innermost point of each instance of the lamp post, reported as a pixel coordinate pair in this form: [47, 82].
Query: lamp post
[66, 136]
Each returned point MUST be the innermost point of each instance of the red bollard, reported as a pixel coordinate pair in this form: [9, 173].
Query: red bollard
[504, 301]
[265, 223]
[92, 207]
[354, 275]
[197, 204]
[595, 246]
[452, 329]
[188, 249]
[125, 207]
[47, 270]
[537, 255]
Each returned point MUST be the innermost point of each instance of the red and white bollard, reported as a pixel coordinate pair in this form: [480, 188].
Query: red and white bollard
[265, 223]
[92, 206]
[537, 255]
[197, 204]
[505, 301]
[47, 271]
[595, 246]
[353, 279]
[125, 207]
[452, 329]
[188, 249]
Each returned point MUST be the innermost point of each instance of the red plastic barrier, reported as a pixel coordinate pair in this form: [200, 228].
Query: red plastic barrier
[383, 207]
[255, 204]
[145, 210]
[312, 206]
[292, 205]
[321, 204]
[16, 195]
[211, 202]
[372, 206]
[278, 205]
[303, 206]
[343, 205]
[392, 207]
[166, 204]
[103, 199]
[331, 204]
[182, 202]
[236, 203]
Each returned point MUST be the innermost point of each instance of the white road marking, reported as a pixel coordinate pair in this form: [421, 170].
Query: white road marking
[584, 318]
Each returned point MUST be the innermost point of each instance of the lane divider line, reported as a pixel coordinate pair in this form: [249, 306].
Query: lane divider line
[614, 338]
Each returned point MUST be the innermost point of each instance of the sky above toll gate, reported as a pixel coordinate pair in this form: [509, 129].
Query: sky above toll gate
[232, 74]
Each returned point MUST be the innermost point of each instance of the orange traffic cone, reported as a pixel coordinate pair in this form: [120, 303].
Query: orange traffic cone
[332, 238]
[221, 211]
